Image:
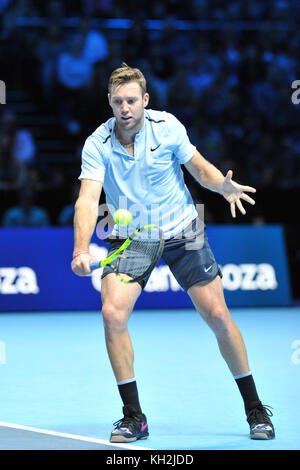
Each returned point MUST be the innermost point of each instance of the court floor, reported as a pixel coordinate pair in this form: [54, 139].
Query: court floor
[58, 391]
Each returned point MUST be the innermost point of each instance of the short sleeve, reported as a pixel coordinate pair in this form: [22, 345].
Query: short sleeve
[183, 149]
[93, 161]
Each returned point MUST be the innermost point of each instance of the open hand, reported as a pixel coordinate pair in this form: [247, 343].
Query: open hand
[234, 192]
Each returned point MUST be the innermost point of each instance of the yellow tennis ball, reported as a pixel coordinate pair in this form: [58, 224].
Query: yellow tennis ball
[122, 217]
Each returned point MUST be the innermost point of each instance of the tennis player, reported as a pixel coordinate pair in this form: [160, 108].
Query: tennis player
[137, 154]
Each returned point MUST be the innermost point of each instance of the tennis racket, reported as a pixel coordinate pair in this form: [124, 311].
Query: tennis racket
[137, 256]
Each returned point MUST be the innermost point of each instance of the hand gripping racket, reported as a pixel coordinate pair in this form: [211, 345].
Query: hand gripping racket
[137, 256]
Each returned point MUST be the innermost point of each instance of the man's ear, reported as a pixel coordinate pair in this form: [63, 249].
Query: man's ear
[146, 99]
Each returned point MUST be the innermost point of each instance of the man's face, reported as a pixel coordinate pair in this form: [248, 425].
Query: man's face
[128, 103]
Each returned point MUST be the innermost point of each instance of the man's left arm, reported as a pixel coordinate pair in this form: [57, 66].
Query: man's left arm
[211, 178]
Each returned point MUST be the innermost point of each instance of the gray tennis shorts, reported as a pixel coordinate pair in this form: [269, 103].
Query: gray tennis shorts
[188, 256]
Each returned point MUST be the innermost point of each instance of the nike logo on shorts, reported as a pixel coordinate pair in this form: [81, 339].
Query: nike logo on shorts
[207, 269]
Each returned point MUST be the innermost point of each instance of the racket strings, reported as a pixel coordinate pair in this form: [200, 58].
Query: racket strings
[142, 254]
[138, 257]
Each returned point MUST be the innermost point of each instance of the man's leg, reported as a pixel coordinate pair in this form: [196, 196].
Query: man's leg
[209, 301]
[118, 300]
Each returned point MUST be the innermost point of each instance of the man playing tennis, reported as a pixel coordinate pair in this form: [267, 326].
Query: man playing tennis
[137, 154]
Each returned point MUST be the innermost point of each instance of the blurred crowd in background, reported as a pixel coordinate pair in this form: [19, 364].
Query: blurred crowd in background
[225, 69]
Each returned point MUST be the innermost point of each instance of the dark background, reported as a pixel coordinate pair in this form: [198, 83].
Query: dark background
[225, 69]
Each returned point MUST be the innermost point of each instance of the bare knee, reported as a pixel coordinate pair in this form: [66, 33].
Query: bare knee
[115, 319]
[219, 320]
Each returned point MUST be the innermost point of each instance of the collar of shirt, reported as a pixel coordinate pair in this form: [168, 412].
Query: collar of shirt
[118, 148]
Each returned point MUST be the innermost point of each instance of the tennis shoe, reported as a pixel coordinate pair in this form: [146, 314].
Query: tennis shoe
[131, 427]
[260, 423]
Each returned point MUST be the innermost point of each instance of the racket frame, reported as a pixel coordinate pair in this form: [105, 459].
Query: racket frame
[122, 248]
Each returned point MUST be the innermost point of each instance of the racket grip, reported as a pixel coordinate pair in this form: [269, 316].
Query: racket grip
[94, 265]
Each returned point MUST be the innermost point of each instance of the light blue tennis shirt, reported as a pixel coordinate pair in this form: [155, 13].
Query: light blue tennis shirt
[151, 184]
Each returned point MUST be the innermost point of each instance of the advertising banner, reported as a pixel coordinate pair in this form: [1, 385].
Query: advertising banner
[35, 272]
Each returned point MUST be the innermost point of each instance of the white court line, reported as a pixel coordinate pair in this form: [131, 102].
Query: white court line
[73, 436]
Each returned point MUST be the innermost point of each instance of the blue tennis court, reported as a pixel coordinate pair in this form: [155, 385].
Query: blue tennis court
[58, 390]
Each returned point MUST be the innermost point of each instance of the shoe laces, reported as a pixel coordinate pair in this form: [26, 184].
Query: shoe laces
[260, 413]
[122, 423]
[126, 421]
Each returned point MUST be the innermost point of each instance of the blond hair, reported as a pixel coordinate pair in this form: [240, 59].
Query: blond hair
[126, 74]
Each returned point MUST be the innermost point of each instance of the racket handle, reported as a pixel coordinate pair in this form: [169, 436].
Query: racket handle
[94, 265]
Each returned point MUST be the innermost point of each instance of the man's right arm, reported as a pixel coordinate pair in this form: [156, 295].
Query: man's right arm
[85, 218]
